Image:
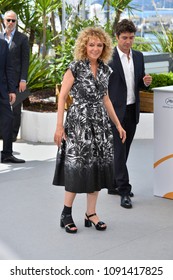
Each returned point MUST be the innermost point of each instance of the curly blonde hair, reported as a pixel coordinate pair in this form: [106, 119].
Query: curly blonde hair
[97, 32]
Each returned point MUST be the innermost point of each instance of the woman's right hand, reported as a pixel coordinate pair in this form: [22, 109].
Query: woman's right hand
[59, 136]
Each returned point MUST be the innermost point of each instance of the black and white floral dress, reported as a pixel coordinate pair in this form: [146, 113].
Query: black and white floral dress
[85, 160]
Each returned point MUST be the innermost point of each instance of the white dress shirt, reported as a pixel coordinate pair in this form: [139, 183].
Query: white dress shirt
[10, 38]
[128, 68]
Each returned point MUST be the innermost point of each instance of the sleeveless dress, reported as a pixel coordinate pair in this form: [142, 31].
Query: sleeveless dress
[84, 162]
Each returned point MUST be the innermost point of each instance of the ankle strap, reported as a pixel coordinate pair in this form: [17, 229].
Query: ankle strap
[89, 216]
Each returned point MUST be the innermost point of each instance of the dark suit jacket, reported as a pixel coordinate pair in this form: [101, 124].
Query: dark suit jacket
[117, 83]
[19, 53]
[7, 84]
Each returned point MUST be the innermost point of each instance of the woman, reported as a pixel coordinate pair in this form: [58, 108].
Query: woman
[85, 156]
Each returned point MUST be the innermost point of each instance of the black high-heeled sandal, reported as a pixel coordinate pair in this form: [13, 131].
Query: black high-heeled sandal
[98, 226]
[67, 222]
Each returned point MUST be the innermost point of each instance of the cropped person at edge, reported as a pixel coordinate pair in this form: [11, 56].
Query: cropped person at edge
[7, 98]
[19, 52]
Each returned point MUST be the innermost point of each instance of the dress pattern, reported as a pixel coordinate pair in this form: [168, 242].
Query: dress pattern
[84, 161]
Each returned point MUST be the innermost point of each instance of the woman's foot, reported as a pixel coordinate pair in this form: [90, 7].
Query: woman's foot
[67, 222]
[93, 219]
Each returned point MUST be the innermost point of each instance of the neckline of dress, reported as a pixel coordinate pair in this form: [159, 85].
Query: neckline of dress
[99, 63]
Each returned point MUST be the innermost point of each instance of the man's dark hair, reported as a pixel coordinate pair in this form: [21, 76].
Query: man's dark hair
[125, 26]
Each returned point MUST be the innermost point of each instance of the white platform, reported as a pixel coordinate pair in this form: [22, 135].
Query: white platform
[40, 127]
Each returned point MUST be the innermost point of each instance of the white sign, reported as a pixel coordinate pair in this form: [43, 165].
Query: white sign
[163, 142]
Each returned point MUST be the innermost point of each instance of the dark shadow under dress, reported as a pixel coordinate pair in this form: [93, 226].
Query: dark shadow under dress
[84, 161]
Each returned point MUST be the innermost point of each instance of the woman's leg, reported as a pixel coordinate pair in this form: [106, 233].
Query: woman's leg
[91, 207]
[69, 198]
[66, 216]
[91, 202]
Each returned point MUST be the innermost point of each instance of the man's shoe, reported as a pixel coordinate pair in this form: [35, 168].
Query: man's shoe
[12, 159]
[126, 202]
[115, 191]
[131, 194]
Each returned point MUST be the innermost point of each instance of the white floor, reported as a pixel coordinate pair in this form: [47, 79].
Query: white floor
[30, 209]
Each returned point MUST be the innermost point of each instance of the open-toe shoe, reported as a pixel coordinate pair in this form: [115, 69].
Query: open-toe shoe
[67, 222]
[88, 222]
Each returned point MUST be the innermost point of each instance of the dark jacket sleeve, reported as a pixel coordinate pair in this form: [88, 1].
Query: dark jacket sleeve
[19, 52]
[25, 58]
[9, 71]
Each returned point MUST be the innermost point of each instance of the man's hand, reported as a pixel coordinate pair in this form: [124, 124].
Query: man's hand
[147, 80]
[22, 86]
[12, 98]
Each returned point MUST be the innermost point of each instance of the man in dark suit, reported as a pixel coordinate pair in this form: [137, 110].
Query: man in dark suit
[19, 53]
[7, 98]
[125, 82]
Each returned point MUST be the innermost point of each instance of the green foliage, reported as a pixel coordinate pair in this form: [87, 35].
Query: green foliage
[39, 74]
[165, 39]
[46, 6]
[142, 45]
[119, 6]
[161, 80]
[60, 63]
[29, 18]
[6, 5]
